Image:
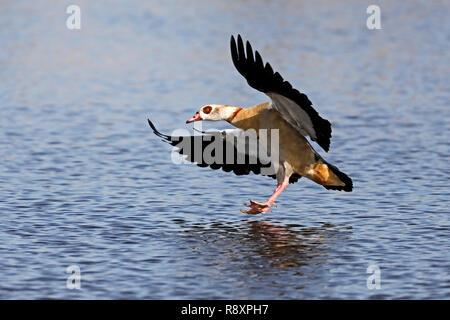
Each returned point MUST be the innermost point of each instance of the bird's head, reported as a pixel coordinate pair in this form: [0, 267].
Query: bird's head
[214, 112]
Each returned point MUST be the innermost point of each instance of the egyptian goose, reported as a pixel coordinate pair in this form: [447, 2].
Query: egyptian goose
[289, 111]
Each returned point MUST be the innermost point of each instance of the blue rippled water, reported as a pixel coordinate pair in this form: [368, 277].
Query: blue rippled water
[84, 181]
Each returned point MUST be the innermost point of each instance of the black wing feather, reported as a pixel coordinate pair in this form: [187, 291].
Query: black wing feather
[238, 169]
[264, 79]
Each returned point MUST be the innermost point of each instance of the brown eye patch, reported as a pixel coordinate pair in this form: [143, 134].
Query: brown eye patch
[207, 109]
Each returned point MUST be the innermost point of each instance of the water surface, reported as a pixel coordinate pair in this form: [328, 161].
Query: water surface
[84, 182]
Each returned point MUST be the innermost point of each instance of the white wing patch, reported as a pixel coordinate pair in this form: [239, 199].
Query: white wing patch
[293, 114]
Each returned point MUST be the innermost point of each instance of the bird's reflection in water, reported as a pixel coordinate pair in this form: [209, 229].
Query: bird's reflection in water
[261, 243]
[286, 246]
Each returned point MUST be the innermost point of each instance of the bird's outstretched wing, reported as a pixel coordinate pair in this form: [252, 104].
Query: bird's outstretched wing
[242, 161]
[293, 105]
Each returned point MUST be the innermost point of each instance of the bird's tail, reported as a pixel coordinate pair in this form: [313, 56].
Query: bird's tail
[331, 177]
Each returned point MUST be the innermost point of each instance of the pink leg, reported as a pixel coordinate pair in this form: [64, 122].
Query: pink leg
[262, 207]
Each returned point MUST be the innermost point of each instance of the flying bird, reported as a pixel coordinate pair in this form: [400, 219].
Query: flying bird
[289, 111]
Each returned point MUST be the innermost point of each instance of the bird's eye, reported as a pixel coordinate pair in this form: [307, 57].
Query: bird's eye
[207, 109]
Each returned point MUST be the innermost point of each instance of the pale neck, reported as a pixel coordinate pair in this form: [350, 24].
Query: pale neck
[230, 113]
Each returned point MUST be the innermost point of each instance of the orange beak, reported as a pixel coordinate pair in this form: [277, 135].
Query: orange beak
[196, 117]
